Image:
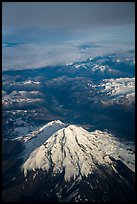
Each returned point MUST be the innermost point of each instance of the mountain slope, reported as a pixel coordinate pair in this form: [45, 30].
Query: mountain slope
[66, 163]
[74, 151]
[38, 137]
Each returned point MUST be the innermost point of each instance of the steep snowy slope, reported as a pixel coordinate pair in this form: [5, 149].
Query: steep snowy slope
[38, 137]
[73, 150]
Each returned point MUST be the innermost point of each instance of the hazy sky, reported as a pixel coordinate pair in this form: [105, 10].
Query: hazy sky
[68, 13]
[48, 33]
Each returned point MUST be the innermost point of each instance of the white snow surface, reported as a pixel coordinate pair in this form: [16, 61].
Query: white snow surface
[119, 86]
[119, 90]
[38, 137]
[31, 82]
[21, 97]
[57, 147]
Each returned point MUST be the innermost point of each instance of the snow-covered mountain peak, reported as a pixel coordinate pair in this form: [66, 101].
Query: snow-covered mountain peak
[54, 122]
[74, 128]
[74, 151]
[36, 138]
[53, 126]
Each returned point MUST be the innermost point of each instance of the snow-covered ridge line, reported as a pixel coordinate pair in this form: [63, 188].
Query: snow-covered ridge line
[119, 86]
[31, 82]
[74, 150]
[21, 97]
[33, 134]
[20, 100]
[117, 90]
[36, 138]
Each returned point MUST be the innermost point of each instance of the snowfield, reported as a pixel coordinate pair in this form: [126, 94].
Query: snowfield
[119, 90]
[119, 86]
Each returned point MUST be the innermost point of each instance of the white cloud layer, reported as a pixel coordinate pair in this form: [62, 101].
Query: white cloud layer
[33, 47]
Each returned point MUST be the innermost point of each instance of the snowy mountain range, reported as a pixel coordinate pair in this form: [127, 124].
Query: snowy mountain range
[90, 155]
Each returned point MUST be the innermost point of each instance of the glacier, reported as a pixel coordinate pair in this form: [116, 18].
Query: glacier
[58, 147]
